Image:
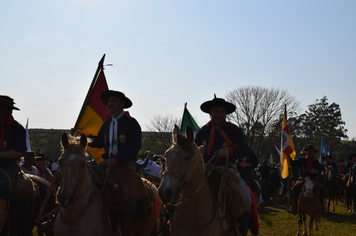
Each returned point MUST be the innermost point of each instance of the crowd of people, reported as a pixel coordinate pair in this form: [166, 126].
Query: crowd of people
[121, 138]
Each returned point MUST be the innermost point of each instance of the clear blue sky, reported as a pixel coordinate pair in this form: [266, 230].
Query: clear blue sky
[166, 53]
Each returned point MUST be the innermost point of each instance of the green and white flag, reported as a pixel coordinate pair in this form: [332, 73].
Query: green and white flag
[188, 120]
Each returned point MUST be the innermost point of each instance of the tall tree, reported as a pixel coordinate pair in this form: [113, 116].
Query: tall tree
[257, 111]
[324, 118]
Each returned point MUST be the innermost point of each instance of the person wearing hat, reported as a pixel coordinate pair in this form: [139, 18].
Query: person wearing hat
[309, 163]
[351, 163]
[121, 138]
[29, 163]
[219, 140]
[213, 138]
[42, 169]
[329, 164]
[12, 148]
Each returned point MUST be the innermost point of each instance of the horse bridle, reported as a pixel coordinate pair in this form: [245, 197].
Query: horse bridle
[182, 182]
[79, 180]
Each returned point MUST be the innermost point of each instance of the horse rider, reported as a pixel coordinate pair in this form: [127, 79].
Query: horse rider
[309, 163]
[351, 163]
[12, 148]
[120, 136]
[330, 165]
[218, 137]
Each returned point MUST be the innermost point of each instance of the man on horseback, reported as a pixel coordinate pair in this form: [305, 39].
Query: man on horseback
[309, 163]
[120, 136]
[12, 148]
[218, 137]
[351, 163]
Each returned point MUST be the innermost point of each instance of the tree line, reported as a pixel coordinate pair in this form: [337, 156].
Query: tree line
[259, 114]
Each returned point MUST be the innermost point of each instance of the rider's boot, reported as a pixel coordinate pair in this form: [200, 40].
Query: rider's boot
[3, 214]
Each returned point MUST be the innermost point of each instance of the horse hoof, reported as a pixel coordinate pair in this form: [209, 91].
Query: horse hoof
[350, 211]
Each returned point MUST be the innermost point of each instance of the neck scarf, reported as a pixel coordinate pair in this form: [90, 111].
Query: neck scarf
[222, 133]
[113, 132]
[8, 122]
[309, 163]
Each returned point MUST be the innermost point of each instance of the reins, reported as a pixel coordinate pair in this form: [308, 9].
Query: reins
[182, 181]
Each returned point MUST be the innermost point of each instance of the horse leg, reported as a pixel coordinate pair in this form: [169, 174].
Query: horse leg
[300, 222]
[311, 221]
[304, 225]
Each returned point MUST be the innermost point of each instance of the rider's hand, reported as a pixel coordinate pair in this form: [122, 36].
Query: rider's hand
[221, 153]
[202, 149]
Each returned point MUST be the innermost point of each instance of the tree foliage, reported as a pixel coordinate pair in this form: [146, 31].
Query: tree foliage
[258, 111]
[324, 118]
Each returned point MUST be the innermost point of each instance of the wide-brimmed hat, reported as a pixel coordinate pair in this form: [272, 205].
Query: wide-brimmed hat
[7, 101]
[109, 93]
[29, 155]
[41, 156]
[311, 147]
[325, 156]
[217, 102]
[351, 156]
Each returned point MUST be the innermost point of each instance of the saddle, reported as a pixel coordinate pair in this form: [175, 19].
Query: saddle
[24, 189]
[125, 192]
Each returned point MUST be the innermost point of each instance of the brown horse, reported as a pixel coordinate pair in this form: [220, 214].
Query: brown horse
[308, 204]
[184, 187]
[330, 182]
[27, 198]
[83, 210]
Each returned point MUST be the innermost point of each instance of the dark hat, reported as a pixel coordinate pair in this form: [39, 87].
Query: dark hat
[325, 156]
[30, 155]
[351, 156]
[7, 101]
[109, 93]
[311, 147]
[217, 102]
[41, 156]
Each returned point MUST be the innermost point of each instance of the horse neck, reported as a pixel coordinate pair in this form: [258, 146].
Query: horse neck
[83, 197]
[200, 204]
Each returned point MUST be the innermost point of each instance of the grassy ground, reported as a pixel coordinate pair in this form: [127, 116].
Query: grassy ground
[275, 220]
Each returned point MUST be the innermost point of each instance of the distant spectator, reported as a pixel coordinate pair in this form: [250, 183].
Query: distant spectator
[43, 171]
[29, 163]
[55, 166]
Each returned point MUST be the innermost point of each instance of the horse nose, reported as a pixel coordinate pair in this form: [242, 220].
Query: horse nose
[308, 193]
[166, 194]
[64, 199]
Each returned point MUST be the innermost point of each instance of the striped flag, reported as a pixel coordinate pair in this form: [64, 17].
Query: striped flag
[94, 112]
[323, 150]
[287, 148]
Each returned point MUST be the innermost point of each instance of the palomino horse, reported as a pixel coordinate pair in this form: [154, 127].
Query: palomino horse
[330, 182]
[83, 210]
[308, 204]
[27, 198]
[185, 188]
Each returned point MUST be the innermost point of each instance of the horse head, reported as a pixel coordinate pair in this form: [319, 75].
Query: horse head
[72, 167]
[183, 162]
[309, 184]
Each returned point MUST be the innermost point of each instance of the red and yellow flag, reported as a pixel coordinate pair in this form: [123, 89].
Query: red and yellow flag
[94, 112]
[287, 148]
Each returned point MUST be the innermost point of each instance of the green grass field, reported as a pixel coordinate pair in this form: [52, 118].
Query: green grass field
[275, 220]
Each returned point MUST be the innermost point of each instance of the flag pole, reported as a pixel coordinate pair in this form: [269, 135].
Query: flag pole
[185, 107]
[100, 67]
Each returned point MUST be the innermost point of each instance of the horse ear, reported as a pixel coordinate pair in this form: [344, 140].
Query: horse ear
[175, 134]
[83, 140]
[64, 140]
[189, 133]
